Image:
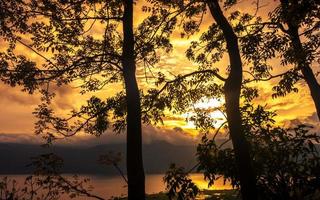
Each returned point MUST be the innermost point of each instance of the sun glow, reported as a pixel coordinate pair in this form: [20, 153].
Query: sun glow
[202, 184]
[208, 105]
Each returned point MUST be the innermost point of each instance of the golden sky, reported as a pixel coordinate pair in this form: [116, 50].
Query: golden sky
[17, 121]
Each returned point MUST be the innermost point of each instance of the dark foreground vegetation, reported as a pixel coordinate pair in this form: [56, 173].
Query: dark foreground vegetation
[204, 195]
[97, 45]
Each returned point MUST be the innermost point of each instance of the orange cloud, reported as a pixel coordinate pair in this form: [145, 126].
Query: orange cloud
[17, 107]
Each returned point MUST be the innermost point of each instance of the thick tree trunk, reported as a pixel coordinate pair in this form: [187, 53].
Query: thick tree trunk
[135, 171]
[232, 89]
[304, 66]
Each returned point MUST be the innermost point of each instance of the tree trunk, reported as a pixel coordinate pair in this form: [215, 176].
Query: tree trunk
[232, 89]
[135, 171]
[304, 66]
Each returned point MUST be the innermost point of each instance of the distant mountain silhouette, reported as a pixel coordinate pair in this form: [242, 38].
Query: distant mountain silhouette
[84, 160]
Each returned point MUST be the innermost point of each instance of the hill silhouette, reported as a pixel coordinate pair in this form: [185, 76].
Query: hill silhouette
[84, 160]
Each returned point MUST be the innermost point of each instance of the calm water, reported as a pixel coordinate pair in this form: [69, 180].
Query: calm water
[108, 186]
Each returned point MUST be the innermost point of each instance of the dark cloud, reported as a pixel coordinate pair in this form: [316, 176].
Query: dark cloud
[311, 120]
[150, 134]
[178, 129]
[173, 136]
[20, 138]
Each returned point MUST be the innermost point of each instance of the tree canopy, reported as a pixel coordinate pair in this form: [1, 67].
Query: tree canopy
[97, 44]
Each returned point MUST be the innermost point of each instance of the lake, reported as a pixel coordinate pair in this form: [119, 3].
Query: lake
[108, 186]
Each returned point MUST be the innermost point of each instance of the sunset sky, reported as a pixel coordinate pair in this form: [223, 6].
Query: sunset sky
[17, 121]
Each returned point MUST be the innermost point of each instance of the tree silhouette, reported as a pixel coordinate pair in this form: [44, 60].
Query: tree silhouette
[135, 170]
[232, 88]
[302, 54]
[12, 18]
[46, 182]
[62, 37]
[219, 39]
[60, 33]
[291, 33]
[179, 185]
[285, 160]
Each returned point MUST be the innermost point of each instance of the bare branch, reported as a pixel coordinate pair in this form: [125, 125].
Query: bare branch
[218, 130]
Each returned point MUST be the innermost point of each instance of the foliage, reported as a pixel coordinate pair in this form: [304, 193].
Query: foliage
[60, 33]
[46, 183]
[179, 185]
[285, 160]
[13, 19]
[263, 40]
[95, 62]
[112, 158]
[259, 40]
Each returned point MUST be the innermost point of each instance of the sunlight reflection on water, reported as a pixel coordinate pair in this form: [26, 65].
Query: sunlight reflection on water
[108, 186]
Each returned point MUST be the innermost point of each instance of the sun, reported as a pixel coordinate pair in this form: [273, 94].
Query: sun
[213, 106]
